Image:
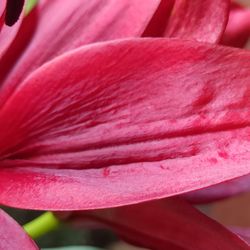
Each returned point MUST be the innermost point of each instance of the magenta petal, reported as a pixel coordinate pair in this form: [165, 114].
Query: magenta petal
[12, 235]
[126, 121]
[201, 20]
[220, 191]
[238, 27]
[165, 224]
[62, 27]
[158, 23]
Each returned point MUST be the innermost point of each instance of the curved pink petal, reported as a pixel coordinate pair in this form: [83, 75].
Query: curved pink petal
[7, 34]
[62, 27]
[126, 121]
[220, 191]
[165, 224]
[204, 21]
[237, 31]
[12, 235]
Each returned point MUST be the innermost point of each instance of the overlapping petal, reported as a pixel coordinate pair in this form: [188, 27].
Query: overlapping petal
[237, 32]
[62, 27]
[164, 224]
[220, 191]
[12, 235]
[204, 21]
[83, 22]
[125, 122]
[244, 233]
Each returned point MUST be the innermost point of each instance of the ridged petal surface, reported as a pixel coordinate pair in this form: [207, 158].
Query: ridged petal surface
[126, 121]
[204, 21]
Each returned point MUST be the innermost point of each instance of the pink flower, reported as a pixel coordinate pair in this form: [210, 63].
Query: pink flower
[95, 115]
[120, 122]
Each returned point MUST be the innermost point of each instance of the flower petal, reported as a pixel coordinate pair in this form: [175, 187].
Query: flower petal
[125, 122]
[204, 21]
[62, 28]
[238, 27]
[244, 233]
[220, 191]
[12, 235]
[164, 224]
[158, 23]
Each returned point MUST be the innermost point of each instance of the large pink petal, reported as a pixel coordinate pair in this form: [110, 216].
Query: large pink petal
[62, 27]
[165, 224]
[126, 121]
[201, 20]
[237, 32]
[220, 191]
[12, 235]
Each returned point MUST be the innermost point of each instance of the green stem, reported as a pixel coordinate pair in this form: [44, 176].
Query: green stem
[30, 4]
[41, 225]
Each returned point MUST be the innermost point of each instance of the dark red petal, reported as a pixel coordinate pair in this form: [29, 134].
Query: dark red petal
[238, 27]
[157, 25]
[220, 191]
[12, 235]
[204, 21]
[61, 28]
[126, 121]
[165, 224]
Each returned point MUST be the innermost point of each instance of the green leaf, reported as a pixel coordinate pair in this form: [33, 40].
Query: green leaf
[30, 4]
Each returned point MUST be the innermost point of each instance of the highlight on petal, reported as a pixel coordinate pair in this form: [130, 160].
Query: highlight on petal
[237, 31]
[12, 235]
[204, 21]
[124, 122]
[243, 233]
[164, 224]
[220, 191]
[77, 23]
